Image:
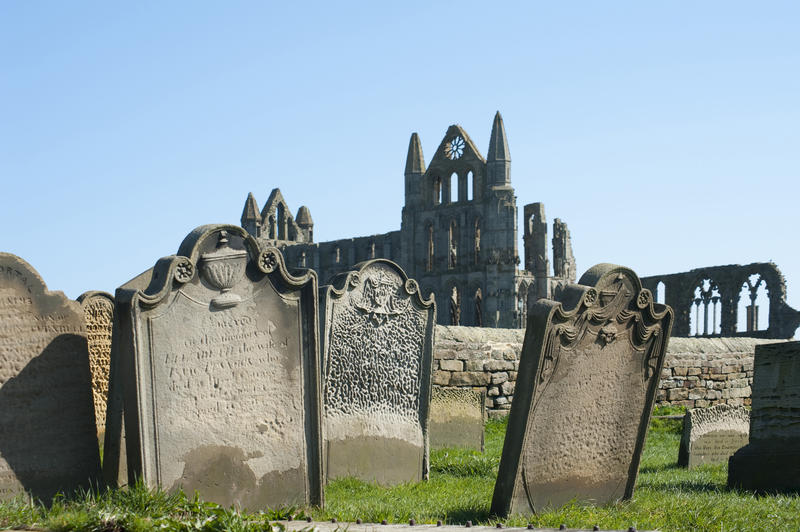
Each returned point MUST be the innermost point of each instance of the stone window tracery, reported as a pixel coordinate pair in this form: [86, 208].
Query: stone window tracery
[455, 307]
[453, 245]
[478, 308]
[455, 148]
[477, 242]
[755, 315]
[707, 307]
[429, 264]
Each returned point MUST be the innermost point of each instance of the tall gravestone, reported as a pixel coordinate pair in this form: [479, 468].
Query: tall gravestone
[115, 461]
[457, 418]
[98, 310]
[587, 379]
[48, 438]
[711, 435]
[771, 461]
[219, 364]
[377, 344]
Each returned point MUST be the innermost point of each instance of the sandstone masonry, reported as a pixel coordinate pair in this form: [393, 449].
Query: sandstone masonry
[697, 372]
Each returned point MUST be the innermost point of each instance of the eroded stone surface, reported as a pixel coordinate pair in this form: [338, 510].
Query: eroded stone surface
[98, 310]
[227, 403]
[587, 380]
[457, 418]
[771, 461]
[48, 440]
[712, 435]
[378, 338]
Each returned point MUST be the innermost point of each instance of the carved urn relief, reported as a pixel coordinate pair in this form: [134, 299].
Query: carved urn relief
[223, 268]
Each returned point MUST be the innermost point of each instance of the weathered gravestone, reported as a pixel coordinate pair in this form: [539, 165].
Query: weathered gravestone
[771, 461]
[48, 438]
[712, 435]
[377, 344]
[587, 379]
[115, 463]
[219, 364]
[457, 418]
[98, 310]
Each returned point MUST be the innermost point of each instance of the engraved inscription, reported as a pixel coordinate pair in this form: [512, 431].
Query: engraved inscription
[99, 312]
[716, 447]
[230, 377]
[47, 434]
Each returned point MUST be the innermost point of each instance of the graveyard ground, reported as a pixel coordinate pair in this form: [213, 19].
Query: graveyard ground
[460, 489]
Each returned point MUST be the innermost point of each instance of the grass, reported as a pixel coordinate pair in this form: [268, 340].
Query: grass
[460, 489]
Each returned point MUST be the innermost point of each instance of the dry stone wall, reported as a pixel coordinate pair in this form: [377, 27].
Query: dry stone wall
[697, 372]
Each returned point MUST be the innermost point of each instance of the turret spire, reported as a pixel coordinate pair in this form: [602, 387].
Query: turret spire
[250, 217]
[498, 144]
[415, 163]
[250, 211]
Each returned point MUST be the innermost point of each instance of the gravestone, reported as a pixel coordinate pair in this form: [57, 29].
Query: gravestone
[712, 435]
[771, 461]
[377, 345]
[48, 438]
[218, 366]
[98, 311]
[457, 418]
[588, 375]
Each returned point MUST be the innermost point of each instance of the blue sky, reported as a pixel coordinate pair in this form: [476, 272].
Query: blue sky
[665, 134]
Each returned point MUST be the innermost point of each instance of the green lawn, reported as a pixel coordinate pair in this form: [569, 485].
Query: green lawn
[460, 488]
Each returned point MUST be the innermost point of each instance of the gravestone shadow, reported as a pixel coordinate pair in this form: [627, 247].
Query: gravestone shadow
[44, 411]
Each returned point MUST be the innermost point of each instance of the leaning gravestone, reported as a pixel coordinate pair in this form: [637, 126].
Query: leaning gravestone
[48, 438]
[771, 461]
[219, 364]
[98, 309]
[457, 418]
[378, 341]
[115, 464]
[587, 379]
[712, 435]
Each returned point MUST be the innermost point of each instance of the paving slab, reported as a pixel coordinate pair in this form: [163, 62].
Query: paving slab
[328, 526]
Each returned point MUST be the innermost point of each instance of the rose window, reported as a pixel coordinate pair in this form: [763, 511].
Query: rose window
[455, 148]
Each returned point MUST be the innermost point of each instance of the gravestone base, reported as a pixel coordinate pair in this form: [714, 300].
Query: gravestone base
[765, 469]
[384, 461]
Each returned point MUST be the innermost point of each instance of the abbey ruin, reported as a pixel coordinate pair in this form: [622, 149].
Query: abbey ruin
[458, 238]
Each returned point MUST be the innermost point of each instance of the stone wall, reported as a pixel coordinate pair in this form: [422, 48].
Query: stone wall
[697, 371]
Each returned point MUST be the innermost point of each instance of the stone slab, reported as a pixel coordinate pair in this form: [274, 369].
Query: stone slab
[219, 366]
[771, 461]
[327, 526]
[712, 435]
[587, 380]
[98, 311]
[458, 416]
[377, 345]
[48, 436]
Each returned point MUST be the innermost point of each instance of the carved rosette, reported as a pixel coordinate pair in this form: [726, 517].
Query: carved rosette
[223, 268]
[268, 261]
[184, 270]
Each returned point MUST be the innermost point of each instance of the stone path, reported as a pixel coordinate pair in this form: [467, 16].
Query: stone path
[328, 526]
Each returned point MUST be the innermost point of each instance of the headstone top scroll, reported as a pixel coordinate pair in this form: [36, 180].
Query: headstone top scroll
[587, 379]
[378, 340]
[48, 438]
[225, 343]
